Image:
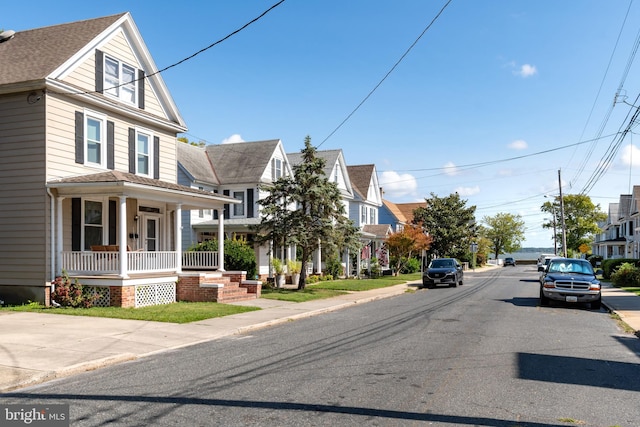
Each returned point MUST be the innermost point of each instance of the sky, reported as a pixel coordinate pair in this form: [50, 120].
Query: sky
[502, 101]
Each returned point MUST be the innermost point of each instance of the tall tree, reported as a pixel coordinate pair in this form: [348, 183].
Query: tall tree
[449, 222]
[505, 231]
[307, 209]
[581, 219]
[403, 245]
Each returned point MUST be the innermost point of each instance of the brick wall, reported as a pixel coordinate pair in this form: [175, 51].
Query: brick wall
[122, 296]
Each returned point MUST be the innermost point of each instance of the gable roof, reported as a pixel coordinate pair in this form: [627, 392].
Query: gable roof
[331, 157]
[195, 163]
[242, 162]
[395, 211]
[34, 54]
[408, 208]
[381, 231]
[361, 178]
[625, 206]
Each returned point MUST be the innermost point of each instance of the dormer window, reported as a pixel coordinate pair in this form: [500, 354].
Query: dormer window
[120, 80]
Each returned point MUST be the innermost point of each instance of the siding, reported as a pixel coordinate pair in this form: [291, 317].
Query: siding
[61, 141]
[24, 208]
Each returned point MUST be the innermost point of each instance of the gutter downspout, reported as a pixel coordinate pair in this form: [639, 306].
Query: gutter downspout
[52, 242]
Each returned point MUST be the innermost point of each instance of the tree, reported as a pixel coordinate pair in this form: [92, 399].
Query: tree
[581, 219]
[403, 245]
[306, 209]
[449, 222]
[505, 231]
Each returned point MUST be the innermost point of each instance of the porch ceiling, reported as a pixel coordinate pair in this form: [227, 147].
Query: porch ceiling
[116, 184]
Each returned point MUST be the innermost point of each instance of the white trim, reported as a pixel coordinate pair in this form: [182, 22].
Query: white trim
[102, 118]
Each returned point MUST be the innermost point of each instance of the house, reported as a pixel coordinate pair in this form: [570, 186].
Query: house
[88, 163]
[238, 171]
[634, 223]
[390, 213]
[336, 171]
[611, 243]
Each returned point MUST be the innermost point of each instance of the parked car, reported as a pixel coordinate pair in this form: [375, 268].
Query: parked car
[443, 271]
[542, 267]
[509, 261]
[570, 280]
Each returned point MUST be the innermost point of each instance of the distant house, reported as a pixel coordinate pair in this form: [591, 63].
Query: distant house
[611, 242]
[237, 171]
[88, 166]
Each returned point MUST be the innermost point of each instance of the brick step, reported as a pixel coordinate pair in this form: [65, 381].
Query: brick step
[246, 297]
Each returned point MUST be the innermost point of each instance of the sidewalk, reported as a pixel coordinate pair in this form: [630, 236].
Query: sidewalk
[38, 347]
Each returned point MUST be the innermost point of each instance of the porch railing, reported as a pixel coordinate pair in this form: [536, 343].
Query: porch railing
[195, 260]
[97, 263]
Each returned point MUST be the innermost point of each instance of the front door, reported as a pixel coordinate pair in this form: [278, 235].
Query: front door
[151, 234]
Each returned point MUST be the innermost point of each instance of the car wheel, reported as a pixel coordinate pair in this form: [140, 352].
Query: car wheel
[595, 305]
[453, 285]
[544, 301]
[461, 283]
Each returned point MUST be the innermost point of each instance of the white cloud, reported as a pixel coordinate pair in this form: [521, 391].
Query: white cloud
[450, 169]
[397, 185]
[467, 191]
[630, 156]
[526, 70]
[233, 138]
[519, 144]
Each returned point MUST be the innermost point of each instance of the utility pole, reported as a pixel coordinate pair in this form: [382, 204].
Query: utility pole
[564, 228]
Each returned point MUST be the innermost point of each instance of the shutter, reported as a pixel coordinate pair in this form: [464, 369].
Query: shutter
[226, 205]
[156, 157]
[79, 137]
[113, 217]
[250, 203]
[110, 146]
[132, 150]
[141, 89]
[76, 224]
[99, 71]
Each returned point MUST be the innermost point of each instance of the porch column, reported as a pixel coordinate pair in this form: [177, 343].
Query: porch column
[177, 217]
[58, 257]
[319, 263]
[122, 236]
[220, 240]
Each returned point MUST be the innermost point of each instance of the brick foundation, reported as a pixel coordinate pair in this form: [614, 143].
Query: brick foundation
[122, 296]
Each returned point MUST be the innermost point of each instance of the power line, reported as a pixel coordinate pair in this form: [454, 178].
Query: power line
[386, 75]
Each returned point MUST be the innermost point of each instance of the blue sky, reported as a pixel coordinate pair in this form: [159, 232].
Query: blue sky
[493, 99]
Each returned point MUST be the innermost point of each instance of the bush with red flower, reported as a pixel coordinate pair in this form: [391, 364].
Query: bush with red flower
[72, 294]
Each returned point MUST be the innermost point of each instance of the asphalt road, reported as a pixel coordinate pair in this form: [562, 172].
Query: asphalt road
[483, 354]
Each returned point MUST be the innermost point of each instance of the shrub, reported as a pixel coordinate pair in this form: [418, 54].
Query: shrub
[238, 255]
[609, 266]
[333, 267]
[626, 274]
[411, 266]
[72, 294]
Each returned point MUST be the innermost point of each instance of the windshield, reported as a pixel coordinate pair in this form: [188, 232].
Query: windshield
[442, 263]
[570, 266]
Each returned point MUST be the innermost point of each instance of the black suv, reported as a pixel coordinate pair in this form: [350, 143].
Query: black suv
[509, 261]
[443, 271]
[570, 280]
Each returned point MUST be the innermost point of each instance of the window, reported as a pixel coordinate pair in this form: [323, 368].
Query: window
[363, 215]
[238, 209]
[92, 224]
[143, 153]
[95, 140]
[120, 80]
[276, 169]
[372, 216]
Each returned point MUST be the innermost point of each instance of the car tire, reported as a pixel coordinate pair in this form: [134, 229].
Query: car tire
[461, 283]
[453, 285]
[595, 305]
[544, 301]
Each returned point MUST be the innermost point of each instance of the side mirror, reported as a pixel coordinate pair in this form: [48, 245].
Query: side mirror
[541, 268]
[599, 272]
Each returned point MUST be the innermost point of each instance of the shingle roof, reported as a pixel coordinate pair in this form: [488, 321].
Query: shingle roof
[195, 161]
[408, 208]
[380, 230]
[360, 176]
[330, 157]
[242, 162]
[124, 177]
[393, 208]
[34, 54]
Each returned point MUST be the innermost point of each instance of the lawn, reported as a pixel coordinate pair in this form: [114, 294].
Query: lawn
[635, 290]
[331, 288]
[179, 312]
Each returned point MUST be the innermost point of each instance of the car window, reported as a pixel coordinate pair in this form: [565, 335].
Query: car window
[441, 263]
[570, 267]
